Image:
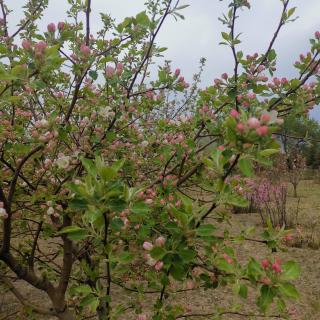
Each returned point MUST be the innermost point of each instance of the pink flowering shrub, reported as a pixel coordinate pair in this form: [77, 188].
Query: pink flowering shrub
[97, 152]
[270, 200]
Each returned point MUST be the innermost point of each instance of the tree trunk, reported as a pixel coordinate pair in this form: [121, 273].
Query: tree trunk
[65, 315]
[295, 194]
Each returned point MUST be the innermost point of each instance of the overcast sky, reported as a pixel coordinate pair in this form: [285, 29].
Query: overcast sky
[199, 34]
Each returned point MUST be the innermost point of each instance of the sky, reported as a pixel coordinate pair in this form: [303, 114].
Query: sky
[199, 34]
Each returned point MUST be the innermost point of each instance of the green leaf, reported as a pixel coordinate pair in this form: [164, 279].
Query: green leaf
[126, 257]
[93, 74]
[206, 230]
[291, 271]
[288, 290]
[142, 19]
[158, 253]
[187, 255]
[272, 55]
[140, 208]
[268, 152]
[266, 297]
[90, 301]
[108, 173]
[73, 233]
[225, 36]
[245, 167]
[177, 271]
[243, 291]
[84, 289]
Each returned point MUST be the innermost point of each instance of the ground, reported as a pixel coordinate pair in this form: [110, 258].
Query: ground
[304, 249]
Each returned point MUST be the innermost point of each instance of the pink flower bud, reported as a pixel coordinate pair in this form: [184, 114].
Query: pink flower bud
[253, 123]
[262, 131]
[158, 266]
[147, 246]
[177, 72]
[61, 26]
[251, 96]
[119, 69]
[40, 47]
[265, 117]
[26, 44]
[85, 50]
[317, 35]
[227, 258]
[224, 76]
[280, 121]
[276, 267]
[240, 127]
[160, 241]
[288, 237]
[265, 264]
[221, 148]
[266, 281]
[190, 284]
[109, 72]
[234, 113]
[51, 27]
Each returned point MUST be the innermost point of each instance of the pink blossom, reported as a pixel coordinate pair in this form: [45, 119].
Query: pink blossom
[253, 123]
[3, 213]
[110, 72]
[40, 47]
[51, 27]
[288, 237]
[280, 121]
[149, 94]
[227, 258]
[158, 266]
[276, 267]
[147, 246]
[240, 127]
[266, 281]
[245, 104]
[160, 241]
[265, 264]
[26, 44]
[317, 35]
[119, 69]
[262, 131]
[224, 76]
[234, 113]
[221, 148]
[265, 117]
[251, 96]
[177, 72]
[61, 26]
[85, 50]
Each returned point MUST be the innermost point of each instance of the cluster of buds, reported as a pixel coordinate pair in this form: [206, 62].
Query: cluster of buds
[204, 110]
[275, 266]
[261, 126]
[183, 83]
[111, 71]
[51, 211]
[148, 246]
[169, 180]
[148, 196]
[42, 131]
